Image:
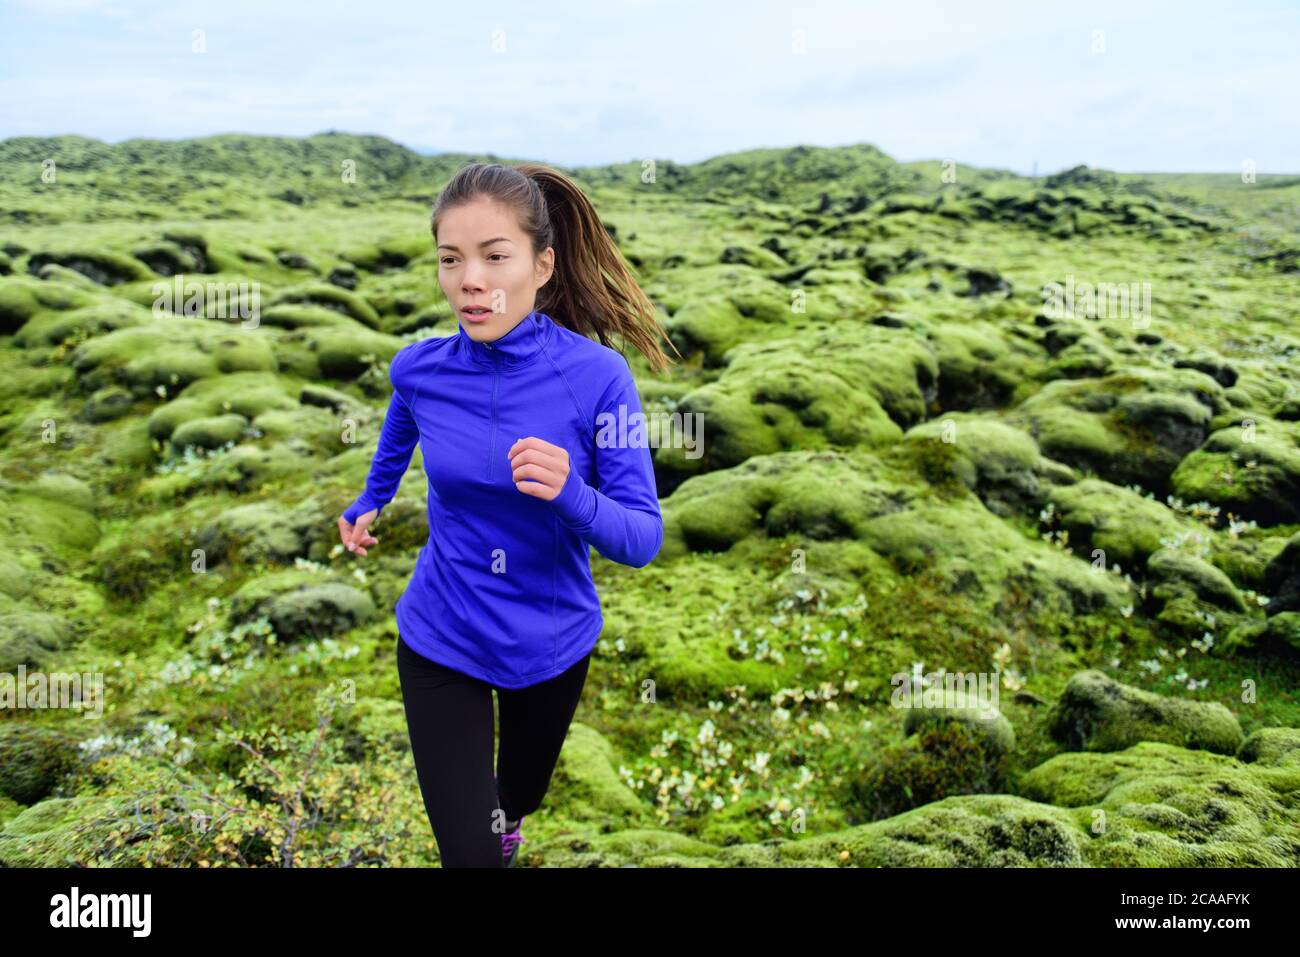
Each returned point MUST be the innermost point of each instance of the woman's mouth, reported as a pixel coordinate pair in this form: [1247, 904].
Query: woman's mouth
[476, 313]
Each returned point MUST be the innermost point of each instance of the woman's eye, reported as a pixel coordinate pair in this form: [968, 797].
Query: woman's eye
[502, 255]
[445, 260]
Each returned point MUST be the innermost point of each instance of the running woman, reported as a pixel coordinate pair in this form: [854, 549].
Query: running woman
[535, 451]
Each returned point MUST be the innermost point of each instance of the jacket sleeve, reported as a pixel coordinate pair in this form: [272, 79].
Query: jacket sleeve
[621, 518]
[397, 441]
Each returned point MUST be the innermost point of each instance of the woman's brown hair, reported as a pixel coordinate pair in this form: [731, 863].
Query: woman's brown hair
[592, 290]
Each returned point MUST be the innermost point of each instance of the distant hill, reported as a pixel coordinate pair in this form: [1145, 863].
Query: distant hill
[237, 175]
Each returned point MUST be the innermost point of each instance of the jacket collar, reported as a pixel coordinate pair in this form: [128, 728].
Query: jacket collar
[519, 346]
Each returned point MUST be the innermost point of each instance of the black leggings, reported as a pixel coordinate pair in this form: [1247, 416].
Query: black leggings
[450, 721]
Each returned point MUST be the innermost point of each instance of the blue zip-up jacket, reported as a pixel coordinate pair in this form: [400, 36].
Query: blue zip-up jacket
[502, 589]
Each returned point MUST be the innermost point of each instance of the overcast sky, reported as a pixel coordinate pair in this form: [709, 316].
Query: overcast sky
[1135, 85]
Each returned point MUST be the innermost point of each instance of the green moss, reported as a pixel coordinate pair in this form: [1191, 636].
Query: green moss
[1159, 805]
[944, 757]
[246, 394]
[1177, 570]
[979, 365]
[169, 354]
[1097, 713]
[1255, 472]
[998, 462]
[330, 297]
[1126, 526]
[104, 267]
[302, 607]
[1131, 427]
[34, 761]
[209, 432]
[1272, 747]
[21, 298]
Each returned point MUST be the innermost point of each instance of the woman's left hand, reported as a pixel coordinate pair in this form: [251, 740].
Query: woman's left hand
[539, 468]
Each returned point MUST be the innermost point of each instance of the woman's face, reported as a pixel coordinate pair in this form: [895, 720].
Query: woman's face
[485, 260]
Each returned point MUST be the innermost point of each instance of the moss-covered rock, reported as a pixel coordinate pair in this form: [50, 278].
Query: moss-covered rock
[1159, 805]
[336, 352]
[166, 258]
[819, 494]
[1212, 365]
[1131, 427]
[714, 307]
[751, 255]
[1282, 578]
[30, 638]
[976, 830]
[1178, 571]
[52, 833]
[292, 259]
[845, 385]
[258, 531]
[209, 432]
[1126, 526]
[22, 297]
[246, 394]
[1251, 471]
[52, 328]
[65, 488]
[1097, 713]
[292, 315]
[33, 760]
[1278, 635]
[243, 468]
[1077, 349]
[587, 784]
[999, 463]
[322, 396]
[169, 354]
[303, 428]
[53, 272]
[707, 326]
[52, 521]
[17, 578]
[330, 297]
[104, 267]
[392, 253]
[302, 605]
[344, 276]
[107, 404]
[832, 495]
[232, 298]
[972, 830]
[993, 731]
[947, 751]
[1244, 557]
[1272, 747]
[980, 366]
[192, 244]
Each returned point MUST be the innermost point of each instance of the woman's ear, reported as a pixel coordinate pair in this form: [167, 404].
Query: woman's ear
[545, 267]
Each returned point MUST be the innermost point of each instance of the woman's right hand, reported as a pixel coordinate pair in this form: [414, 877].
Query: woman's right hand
[357, 538]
